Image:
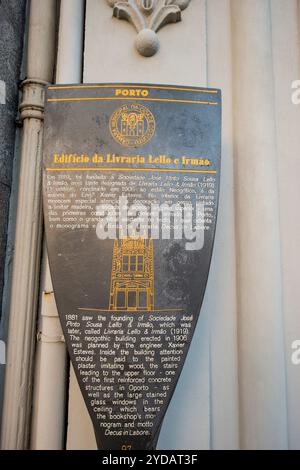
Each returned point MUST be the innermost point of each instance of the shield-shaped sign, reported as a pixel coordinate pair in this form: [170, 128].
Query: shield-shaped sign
[131, 183]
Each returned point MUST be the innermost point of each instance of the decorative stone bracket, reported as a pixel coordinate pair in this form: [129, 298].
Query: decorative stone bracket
[148, 16]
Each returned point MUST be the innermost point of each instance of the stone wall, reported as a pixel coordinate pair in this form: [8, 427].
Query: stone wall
[12, 21]
[12, 15]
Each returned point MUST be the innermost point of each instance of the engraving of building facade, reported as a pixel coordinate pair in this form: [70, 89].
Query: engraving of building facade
[132, 124]
[132, 276]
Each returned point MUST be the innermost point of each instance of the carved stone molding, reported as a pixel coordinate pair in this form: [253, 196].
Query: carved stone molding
[33, 98]
[148, 16]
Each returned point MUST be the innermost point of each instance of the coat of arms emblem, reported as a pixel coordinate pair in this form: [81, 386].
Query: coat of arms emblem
[132, 125]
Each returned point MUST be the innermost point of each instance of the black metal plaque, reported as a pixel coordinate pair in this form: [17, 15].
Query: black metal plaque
[131, 183]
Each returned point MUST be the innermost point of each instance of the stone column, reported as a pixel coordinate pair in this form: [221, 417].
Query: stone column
[286, 64]
[263, 419]
[221, 289]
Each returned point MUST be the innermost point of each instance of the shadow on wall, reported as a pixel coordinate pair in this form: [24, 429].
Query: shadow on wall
[12, 21]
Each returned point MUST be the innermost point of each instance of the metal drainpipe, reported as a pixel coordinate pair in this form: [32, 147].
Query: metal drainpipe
[26, 263]
[50, 373]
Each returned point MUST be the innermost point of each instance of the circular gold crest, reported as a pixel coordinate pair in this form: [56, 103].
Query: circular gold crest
[132, 125]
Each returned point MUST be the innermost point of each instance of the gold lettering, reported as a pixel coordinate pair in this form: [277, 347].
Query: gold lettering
[132, 92]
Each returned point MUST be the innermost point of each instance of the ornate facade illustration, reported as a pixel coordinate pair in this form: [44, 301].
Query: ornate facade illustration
[148, 16]
[132, 125]
[132, 276]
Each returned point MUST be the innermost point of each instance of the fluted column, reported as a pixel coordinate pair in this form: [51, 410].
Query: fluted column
[221, 289]
[263, 419]
[286, 41]
[26, 262]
